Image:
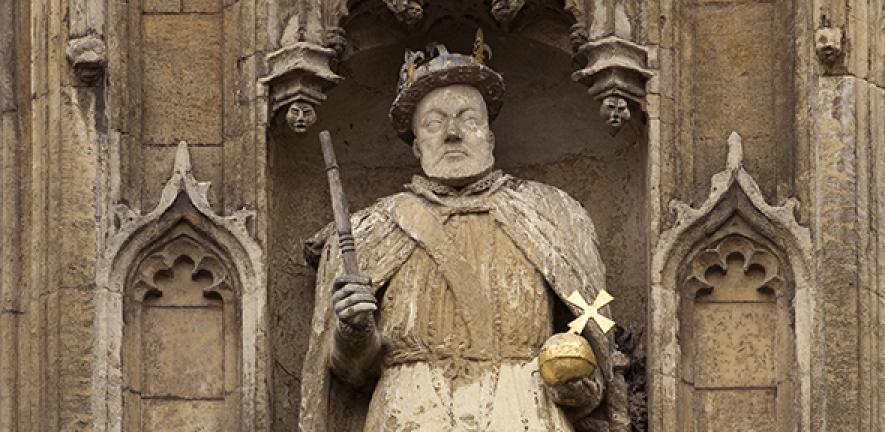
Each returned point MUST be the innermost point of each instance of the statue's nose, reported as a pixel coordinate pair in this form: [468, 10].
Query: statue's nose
[452, 132]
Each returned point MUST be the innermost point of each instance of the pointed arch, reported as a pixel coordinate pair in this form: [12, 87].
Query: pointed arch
[181, 238]
[736, 212]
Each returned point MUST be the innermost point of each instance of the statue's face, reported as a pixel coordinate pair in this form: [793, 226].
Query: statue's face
[300, 116]
[452, 136]
[615, 111]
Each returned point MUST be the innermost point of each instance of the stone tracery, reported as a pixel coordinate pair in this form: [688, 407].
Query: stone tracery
[182, 297]
[730, 279]
[181, 338]
[736, 335]
[310, 39]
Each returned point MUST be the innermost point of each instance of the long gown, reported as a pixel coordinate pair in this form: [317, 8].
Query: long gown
[428, 384]
[528, 246]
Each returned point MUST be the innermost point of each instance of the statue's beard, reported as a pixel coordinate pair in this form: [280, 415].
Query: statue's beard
[458, 172]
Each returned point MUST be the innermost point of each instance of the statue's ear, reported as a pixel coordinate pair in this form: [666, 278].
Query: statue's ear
[415, 149]
[491, 141]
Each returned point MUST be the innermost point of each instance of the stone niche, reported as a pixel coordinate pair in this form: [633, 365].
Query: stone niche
[549, 130]
[735, 328]
[180, 338]
[731, 321]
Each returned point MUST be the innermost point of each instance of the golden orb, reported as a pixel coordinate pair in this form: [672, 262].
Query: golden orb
[564, 357]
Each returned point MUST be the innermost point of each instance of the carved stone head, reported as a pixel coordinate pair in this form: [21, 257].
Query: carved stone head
[615, 111]
[300, 116]
[452, 136]
[828, 45]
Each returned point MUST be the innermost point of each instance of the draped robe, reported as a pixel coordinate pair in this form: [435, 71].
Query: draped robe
[466, 281]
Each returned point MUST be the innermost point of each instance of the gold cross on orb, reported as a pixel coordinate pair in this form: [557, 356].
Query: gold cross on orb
[590, 311]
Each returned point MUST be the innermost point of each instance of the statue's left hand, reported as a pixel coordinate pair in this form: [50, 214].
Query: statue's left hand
[579, 392]
[356, 343]
[354, 302]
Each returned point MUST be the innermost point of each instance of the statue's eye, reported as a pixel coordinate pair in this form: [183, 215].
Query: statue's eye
[433, 124]
[472, 123]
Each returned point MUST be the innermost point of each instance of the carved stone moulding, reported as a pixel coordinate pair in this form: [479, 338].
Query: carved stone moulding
[88, 56]
[151, 264]
[412, 12]
[299, 75]
[505, 11]
[733, 258]
[828, 45]
[408, 12]
[615, 73]
[86, 49]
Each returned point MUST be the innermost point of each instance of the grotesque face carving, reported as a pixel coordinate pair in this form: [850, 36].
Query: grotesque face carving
[300, 116]
[828, 44]
[452, 136]
[615, 111]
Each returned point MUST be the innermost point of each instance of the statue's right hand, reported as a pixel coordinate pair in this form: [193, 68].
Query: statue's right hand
[354, 302]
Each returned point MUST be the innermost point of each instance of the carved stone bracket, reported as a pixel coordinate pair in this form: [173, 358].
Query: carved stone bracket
[86, 49]
[734, 212]
[299, 76]
[613, 66]
[181, 226]
[713, 264]
[88, 57]
[300, 71]
[412, 12]
[505, 11]
[408, 12]
[828, 46]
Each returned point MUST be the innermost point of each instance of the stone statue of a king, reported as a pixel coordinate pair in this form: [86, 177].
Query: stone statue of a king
[463, 278]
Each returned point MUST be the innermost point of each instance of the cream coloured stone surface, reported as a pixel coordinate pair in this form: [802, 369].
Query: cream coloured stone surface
[201, 6]
[736, 411]
[733, 48]
[183, 416]
[734, 344]
[183, 351]
[182, 79]
[162, 6]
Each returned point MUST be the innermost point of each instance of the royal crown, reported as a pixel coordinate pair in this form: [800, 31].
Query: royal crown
[424, 71]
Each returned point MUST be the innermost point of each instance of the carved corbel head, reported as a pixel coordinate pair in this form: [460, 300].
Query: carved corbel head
[408, 12]
[578, 36]
[615, 74]
[828, 45]
[299, 76]
[336, 39]
[615, 111]
[88, 57]
[505, 11]
[300, 115]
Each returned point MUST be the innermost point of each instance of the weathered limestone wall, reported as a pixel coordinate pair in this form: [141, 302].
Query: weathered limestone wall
[189, 73]
[847, 195]
[815, 133]
[844, 187]
[10, 209]
[735, 74]
[71, 150]
[49, 172]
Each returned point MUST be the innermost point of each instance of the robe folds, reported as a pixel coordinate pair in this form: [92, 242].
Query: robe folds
[546, 231]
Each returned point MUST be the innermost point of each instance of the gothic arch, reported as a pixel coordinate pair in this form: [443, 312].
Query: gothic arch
[311, 37]
[733, 229]
[142, 265]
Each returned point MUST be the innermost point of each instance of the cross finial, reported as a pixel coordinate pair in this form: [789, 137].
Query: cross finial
[590, 311]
